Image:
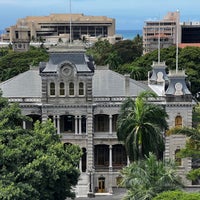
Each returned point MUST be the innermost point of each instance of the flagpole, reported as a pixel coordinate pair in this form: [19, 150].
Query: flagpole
[70, 23]
[159, 43]
[177, 34]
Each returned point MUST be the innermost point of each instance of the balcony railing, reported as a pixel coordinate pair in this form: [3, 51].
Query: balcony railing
[25, 99]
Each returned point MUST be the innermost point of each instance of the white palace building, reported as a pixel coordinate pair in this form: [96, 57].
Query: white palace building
[83, 101]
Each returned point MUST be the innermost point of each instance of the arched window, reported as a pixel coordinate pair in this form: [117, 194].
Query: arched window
[81, 88]
[71, 88]
[178, 121]
[62, 89]
[52, 89]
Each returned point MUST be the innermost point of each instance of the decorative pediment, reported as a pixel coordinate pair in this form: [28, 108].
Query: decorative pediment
[67, 70]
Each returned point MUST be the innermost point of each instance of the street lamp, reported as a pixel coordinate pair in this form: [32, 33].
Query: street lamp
[90, 184]
[90, 193]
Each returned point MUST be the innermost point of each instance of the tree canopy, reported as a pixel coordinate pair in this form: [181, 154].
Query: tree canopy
[125, 51]
[189, 61]
[140, 126]
[13, 63]
[34, 164]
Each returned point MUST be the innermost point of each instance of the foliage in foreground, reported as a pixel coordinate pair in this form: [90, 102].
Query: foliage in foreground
[177, 195]
[140, 126]
[146, 178]
[34, 164]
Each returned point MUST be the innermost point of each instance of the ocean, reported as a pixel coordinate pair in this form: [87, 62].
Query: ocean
[129, 34]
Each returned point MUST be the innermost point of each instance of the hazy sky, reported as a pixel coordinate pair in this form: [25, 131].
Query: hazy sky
[129, 14]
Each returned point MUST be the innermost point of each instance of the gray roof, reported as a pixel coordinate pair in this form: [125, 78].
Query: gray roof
[105, 83]
[77, 58]
[27, 84]
[110, 83]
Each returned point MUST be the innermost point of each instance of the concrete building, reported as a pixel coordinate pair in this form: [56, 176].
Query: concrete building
[190, 34]
[165, 30]
[76, 25]
[83, 101]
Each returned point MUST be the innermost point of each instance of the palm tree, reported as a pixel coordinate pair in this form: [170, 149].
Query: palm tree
[140, 126]
[146, 178]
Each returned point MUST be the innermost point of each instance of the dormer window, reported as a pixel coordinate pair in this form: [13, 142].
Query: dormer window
[52, 89]
[62, 89]
[81, 89]
[71, 89]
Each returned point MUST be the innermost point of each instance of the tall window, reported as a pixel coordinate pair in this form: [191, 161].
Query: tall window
[178, 121]
[81, 88]
[71, 88]
[178, 160]
[119, 157]
[101, 123]
[62, 89]
[101, 155]
[114, 122]
[52, 89]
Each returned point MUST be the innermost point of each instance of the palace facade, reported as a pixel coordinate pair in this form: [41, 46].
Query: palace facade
[83, 100]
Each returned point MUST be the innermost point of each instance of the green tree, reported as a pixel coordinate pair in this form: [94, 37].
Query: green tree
[115, 55]
[177, 195]
[189, 60]
[140, 126]
[146, 178]
[34, 164]
[113, 60]
[14, 63]
[128, 50]
[100, 51]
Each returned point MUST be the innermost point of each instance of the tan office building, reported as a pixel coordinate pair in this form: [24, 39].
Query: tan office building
[41, 27]
[165, 30]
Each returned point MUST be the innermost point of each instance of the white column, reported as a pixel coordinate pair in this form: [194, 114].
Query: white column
[80, 131]
[110, 157]
[58, 124]
[24, 124]
[76, 125]
[54, 121]
[80, 165]
[110, 124]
